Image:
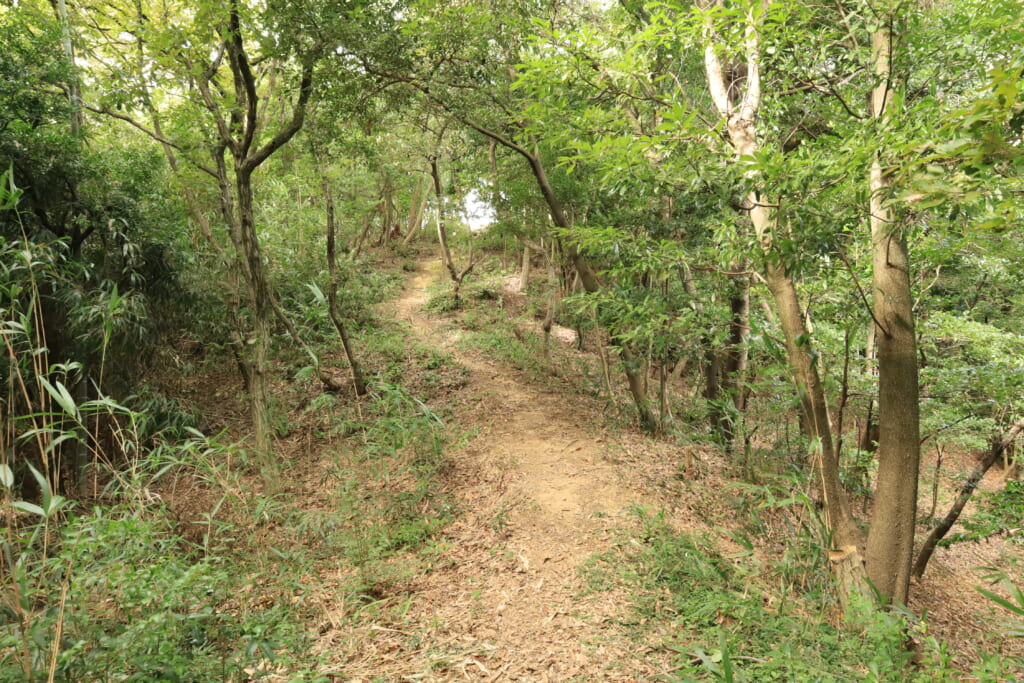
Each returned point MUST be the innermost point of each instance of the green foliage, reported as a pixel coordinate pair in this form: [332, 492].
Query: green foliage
[116, 592]
[130, 604]
[399, 457]
[1014, 604]
[998, 513]
[717, 612]
[443, 302]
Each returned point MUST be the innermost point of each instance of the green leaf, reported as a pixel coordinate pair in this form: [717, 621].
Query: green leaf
[1001, 601]
[29, 508]
[62, 396]
[318, 293]
[6, 476]
[44, 488]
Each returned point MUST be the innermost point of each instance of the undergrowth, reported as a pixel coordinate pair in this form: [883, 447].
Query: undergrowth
[720, 616]
[179, 567]
[118, 592]
[388, 494]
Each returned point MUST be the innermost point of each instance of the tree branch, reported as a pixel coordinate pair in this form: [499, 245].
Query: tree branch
[289, 131]
[105, 111]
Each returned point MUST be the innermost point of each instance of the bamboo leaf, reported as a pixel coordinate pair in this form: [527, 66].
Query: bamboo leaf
[29, 508]
[62, 396]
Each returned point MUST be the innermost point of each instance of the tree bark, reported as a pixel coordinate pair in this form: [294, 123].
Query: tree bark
[814, 407]
[890, 545]
[261, 310]
[358, 383]
[442, 234]
[588, 278]
[734, 361]
[237, 134]
[739, 108]
[524, 271]
[416, 205]
[357, 248]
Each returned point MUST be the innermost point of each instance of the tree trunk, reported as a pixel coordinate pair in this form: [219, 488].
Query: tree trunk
[890, 545]
[554, 300]
[442, 235]
[416, 206]
[358, 383]
[74, 97]
[357, 248]
[814, 408]
[712, 364]
[387, 212]
[734, 362]
[586, 274]
[261, 310]
[524, 272]
[740, 111]
[442, 229]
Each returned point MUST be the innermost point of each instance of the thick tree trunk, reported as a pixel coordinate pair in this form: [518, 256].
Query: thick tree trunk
[890, 546]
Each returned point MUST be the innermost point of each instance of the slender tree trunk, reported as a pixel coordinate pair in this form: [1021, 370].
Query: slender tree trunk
[442, 227]
[890, 545]
[966, 491]
[553, 302]
[632, 368]
[586, 274]
[868, 440]
[238, 124]
[524, 271]
[814, 407]
[357, 248]
[416, 205]
[358, 383]
[442, 234]
[74, 97]
[740, 111]
[734, 362]
[387, 212]
[712, 366]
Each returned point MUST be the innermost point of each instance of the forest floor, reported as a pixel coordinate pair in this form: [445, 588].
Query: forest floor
[550, 490]
[540, 496]
[543, 490]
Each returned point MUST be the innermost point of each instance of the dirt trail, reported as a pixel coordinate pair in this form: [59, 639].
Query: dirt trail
[538, 497]
[537, 438]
